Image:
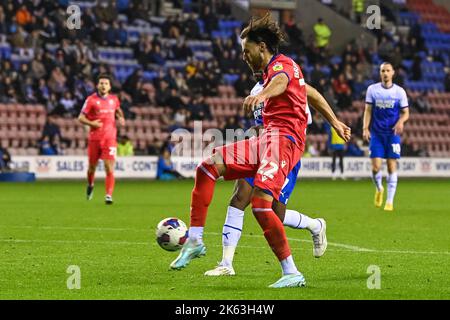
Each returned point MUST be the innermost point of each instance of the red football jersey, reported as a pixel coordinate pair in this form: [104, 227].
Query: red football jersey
[286, 112]
[103, 109]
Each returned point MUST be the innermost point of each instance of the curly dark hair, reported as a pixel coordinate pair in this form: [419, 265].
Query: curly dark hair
[105, 76]
[264, 29]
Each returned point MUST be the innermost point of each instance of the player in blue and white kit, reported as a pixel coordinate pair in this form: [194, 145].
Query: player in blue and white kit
[232, 228]
[384, 118]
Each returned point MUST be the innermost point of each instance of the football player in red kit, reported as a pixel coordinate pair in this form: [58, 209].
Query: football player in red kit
[268, 158]
[99, 112]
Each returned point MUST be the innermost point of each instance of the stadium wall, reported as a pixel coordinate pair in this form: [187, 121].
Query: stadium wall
[343, 30]
[74, 167]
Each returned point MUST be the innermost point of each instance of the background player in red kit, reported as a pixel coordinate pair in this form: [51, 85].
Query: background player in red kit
[99, 112]
[268, 158]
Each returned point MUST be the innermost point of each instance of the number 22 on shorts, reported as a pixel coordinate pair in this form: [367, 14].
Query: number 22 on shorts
[113, 151]
[268, 173]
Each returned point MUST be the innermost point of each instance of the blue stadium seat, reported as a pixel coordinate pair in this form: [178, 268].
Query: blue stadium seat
[187, 6]
[149, 75]
[326, 70]
[336, 60]
[201, 25]
[230, 78]
[407, 64]
[122, 5]
[221, 34]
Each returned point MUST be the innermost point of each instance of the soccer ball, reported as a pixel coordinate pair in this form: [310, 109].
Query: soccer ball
[171, 234]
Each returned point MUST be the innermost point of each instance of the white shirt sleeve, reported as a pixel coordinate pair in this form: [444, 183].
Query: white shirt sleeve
[403, 99]
[369, 97]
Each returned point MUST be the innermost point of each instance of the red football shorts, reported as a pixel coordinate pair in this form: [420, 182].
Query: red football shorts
[268, 158]
[102, 149]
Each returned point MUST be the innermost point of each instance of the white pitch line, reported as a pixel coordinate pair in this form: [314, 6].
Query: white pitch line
[348, 248]
[340, 245]
[241, 246]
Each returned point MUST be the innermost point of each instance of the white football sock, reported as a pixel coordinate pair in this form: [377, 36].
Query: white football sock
[377, 179]
[196, 235]
[231, 233]
[288, 266]
[298, 220]
[392, 180]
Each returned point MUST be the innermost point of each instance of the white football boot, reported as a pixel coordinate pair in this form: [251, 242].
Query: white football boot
[220, 270]
[320, 240]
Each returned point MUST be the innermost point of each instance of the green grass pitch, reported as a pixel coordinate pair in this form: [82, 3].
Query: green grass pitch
[47, 226]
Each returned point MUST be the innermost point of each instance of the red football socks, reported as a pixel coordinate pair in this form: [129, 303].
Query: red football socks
[202, 194]
[272, 226]
[90, 177]
[109, 183]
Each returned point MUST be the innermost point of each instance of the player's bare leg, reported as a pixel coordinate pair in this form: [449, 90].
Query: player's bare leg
[109, 180]
[205, 180]
[276, 237]
[297, 220]
[90, 176]
[391, 184]
[377, 178]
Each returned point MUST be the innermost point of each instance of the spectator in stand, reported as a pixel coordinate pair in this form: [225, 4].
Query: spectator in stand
[125, 147]
[5, 160]
[243, 85]
[385, 48]
[209, 19]
[57, 81]
[3, 23]
[38, 70]
[181, 50]
[165, 170]
[311, 150]
[353, 149]
[407, 148]
[43, 92]
[68, 103]
[126, 104]
[358, 87]
[336, 146]
[46, 148]
[179, 120]
[343, 92]
[447, 79]
[192, 28]
[156, 56]
[51, 130]
[322, 33]
[421, 104]
[18, 38]
[416, 69]
[358, 7]
[23, 16]
[199, 109]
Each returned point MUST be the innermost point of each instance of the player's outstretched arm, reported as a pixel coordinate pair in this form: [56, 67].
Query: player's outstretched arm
[366, 122]
[94, 124]
[319, 103]
[276, 86]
